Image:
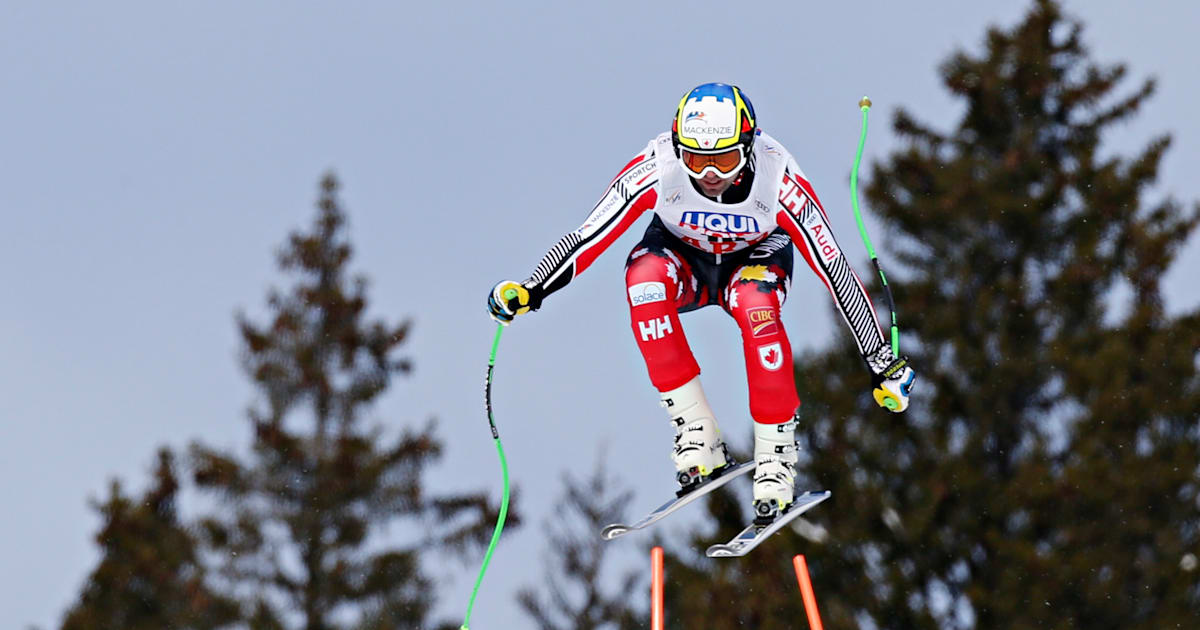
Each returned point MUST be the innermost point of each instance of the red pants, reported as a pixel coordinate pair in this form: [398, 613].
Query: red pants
[663, 280]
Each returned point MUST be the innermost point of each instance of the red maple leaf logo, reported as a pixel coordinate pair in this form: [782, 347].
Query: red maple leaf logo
[772, 355]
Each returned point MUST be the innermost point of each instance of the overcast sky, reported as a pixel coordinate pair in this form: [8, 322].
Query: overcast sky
[153, 156]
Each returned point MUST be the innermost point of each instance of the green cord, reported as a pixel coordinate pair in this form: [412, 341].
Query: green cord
[487, 557]
[865, 105]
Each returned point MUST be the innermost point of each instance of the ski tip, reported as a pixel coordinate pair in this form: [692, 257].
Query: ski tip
[808, 500]
[612, 531]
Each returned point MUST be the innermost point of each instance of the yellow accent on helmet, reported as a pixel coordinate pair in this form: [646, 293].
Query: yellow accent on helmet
[744, 122]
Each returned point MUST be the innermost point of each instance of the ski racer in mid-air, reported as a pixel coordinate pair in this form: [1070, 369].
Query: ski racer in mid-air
[728, 203]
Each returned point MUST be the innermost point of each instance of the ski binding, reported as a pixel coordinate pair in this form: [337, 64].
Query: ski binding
[755, 533]
[724, 475]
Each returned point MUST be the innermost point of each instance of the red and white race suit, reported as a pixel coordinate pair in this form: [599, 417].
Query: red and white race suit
[662, 285]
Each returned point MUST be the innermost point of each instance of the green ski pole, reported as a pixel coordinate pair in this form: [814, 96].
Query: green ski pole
[865, 105]
[487, 557]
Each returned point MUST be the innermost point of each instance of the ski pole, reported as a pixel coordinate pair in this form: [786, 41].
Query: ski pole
[865, 105]
[487, 395]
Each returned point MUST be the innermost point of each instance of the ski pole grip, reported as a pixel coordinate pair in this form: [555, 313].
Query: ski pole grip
[885, 399]
[510, 294]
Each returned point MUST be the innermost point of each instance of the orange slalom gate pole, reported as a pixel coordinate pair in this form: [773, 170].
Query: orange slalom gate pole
[806, 591]
[656, 588]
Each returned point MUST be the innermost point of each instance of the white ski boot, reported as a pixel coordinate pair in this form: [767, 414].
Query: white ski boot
[699, 451]
[775, 456]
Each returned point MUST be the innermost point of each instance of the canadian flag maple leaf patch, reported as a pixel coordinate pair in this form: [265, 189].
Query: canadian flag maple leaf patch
[771, 356]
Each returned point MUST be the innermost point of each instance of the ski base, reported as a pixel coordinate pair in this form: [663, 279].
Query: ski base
[620, 529]
[754, 534]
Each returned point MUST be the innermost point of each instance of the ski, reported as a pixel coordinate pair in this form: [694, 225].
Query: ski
[754, 534]
[619, 529]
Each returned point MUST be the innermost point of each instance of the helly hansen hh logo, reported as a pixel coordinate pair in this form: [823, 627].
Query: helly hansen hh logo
[656, 328]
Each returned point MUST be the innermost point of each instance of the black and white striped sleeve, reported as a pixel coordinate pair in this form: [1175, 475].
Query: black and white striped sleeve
[804, 218]
[631, 192]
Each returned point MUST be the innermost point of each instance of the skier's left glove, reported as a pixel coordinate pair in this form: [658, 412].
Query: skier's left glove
[892, 379]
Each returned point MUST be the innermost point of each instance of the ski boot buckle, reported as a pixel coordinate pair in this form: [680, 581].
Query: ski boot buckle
[689, 479]
[766, 511]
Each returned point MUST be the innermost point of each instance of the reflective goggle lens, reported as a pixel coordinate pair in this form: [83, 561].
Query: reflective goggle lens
[725, 163]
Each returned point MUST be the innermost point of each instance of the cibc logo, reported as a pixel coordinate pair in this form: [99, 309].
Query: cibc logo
[762, 321]
[647, 293]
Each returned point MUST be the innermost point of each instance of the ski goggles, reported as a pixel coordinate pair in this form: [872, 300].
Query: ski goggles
[724, 164]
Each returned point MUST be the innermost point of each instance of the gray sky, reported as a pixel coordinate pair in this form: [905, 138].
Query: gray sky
[154, 155]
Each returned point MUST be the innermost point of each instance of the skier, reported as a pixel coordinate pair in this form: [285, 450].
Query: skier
[728, 203]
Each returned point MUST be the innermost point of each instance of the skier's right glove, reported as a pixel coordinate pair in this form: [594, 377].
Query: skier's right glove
[892, 379]
[507, 300]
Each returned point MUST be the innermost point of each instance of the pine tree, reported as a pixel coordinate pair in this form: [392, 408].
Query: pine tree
[149, 576]
[572, 596]
[301, 528]
[1047, 473]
